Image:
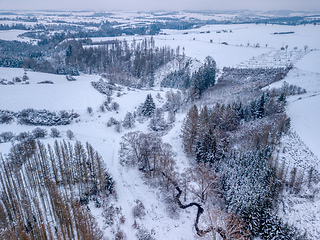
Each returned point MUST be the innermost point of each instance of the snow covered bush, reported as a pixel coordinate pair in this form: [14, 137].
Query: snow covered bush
[104, 87]
[70, 134]
[55, 133]
[39, 133]
[128, 121]
[157, 121]
[144, 234]
[115, 106]
[6, 136]
[102, 108]
[90, 110]
[138, 211]
[45, 118]
[6, 116]
[118, 127]
[45, 82]
[24, 136]
[174, 101]
[112, 121]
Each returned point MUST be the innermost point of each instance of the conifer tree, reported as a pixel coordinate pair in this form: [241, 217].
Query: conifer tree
[128, 121]
[148, 106]
[190, 131]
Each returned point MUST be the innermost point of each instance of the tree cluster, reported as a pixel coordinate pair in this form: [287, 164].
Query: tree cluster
[133, 65]
[150, 155]
[180, 79]
[236, 141]
[262, 76]
[43, 189]
[198, 81]
[44, 117]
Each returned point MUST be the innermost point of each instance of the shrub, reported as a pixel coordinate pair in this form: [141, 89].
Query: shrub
[55, 133]
[44, 117]
[128, 121]
[112, 121]
[24, 136]
[6, 116]
[45, 82]
[138, 210]
[39, 133]
[6, 136]
[144, 234]
[118, 127]
[89, 110]
[115, 106]
[70, 134]
[102, 108]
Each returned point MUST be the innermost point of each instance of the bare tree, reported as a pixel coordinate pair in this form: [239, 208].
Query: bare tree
[206, 182]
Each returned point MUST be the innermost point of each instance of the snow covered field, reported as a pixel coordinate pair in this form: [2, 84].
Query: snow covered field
[10, 35]
[242, 41]
[62, 94]
[77, 96]
[304, 110]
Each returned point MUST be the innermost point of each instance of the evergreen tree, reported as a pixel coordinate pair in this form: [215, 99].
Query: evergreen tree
[128, 121]
[148, 106]
[157, 122]
[190, 131]
[229, 119]
[204, 120]
[204, 77]
[207, 149]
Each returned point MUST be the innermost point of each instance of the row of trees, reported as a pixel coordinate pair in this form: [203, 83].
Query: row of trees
[34, 134]
[43, 188]
[43, 117]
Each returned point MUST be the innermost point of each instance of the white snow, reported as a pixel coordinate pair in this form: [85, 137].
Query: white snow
[303, 110]
[62, 95]
[10, 35]
[310, 63]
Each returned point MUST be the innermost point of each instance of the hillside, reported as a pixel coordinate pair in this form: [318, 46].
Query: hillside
[243, 156]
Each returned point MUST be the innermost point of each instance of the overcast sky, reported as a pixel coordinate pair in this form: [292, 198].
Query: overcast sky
[106, 5]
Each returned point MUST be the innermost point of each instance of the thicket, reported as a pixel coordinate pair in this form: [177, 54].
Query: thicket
[44, 117]
[237, 141]
[180, 79]
[126, 64]
[247, 76]
[197, 82]
[43, 189]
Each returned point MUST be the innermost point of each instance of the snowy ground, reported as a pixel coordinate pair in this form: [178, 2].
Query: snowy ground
[10, 35]
[304, 110]
[242, 42]
[63, 95]
[301, 149]
[77, 95]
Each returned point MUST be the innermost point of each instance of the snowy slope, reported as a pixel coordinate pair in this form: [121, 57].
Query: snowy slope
[63, 95]
[77, 95]
[300, 149]
[304, 110]
[92, 128]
